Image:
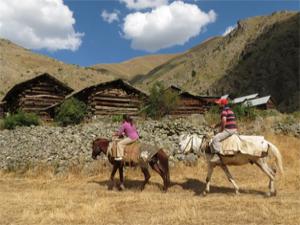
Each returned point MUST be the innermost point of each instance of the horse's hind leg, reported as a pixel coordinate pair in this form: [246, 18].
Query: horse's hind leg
[156, 168]
[146, 176]
[270, 173]
[230, 178]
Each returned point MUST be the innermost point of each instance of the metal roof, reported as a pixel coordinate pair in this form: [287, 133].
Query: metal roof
[243, 98]
[225, 96]
[257, 101]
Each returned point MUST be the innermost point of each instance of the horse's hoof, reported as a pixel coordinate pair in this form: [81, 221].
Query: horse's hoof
[237, 192]
[274, 193]
[204, 193]
[110, 185]
[271, 194]
[122, 187]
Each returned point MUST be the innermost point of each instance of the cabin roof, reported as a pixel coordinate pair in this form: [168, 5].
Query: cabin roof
[18, 88]
[117, 83]
[257, 101]
[243, 98]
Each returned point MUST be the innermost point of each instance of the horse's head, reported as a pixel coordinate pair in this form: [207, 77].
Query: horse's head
[99, 145]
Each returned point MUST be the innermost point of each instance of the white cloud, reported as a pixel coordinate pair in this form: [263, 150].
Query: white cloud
[165, 26]
[39, 24]
[110, 17]
[228, 30]
[143, 4]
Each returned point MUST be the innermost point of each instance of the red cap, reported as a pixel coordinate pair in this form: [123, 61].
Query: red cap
[222, 101]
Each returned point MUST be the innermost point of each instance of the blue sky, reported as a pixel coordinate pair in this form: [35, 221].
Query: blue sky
[83, 36]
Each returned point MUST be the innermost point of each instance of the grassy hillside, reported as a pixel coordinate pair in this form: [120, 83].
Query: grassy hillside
[135, 67]
[19, 64]
[260, 55]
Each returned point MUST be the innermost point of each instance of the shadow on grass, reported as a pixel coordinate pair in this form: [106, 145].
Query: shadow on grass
[194, 185]
[198, 187]
[134, 185]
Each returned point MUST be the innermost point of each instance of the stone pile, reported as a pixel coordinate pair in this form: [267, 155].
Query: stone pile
[64, 146]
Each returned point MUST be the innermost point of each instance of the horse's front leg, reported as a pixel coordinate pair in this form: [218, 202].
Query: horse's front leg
[210, 169]
[112, 175]
[121, 175]
[146, 176]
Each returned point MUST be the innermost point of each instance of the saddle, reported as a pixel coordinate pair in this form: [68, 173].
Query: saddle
[131, 152]
[250, 145]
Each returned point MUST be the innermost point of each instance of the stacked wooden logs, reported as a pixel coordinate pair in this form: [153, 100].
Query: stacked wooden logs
[38, 97]
[189, 106]
[113, 102]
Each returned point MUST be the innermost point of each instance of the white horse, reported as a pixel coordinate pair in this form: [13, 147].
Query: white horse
[200, 144]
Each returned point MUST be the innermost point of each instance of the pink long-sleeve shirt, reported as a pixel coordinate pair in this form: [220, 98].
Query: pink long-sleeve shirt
[129, 130]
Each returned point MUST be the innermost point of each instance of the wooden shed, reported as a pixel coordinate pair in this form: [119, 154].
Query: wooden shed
[266, 102]
[112, 98]
[188, 103]
[37, 94]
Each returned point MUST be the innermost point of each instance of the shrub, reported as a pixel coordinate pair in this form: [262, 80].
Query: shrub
[117, 118]
[70, 112]
[161, 101]
[20, 119]
[244, 112]
[212, 116]
[241, 112]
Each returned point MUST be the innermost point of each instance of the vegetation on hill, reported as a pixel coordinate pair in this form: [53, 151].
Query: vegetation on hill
[161, 102]
[260, 55]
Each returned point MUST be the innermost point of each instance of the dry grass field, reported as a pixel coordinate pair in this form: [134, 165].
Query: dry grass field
[45, 199]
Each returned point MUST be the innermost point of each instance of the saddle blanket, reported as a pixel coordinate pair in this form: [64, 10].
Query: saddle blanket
[250, 145]
[134, 152]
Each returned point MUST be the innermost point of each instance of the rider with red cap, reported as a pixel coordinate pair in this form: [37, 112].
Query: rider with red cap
[228, 128]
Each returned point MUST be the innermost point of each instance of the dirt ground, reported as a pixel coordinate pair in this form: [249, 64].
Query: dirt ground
[75, 199]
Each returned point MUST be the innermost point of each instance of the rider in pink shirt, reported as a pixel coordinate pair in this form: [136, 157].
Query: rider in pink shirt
[131, 135]
[129, 130]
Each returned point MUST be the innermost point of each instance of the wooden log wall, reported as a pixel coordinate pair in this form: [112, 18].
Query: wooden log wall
[189, 106]
[113, 101]
[39, 96]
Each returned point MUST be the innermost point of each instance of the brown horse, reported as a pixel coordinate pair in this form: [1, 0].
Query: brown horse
[159, 163]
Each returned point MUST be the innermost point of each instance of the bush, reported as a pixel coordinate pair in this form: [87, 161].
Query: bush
[212, 116]
[70, 112]
[241, 112]
[20, 119]
[244, 112]
[117, 118]
[161, 101]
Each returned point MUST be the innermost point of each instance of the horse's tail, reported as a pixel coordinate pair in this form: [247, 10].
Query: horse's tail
[275, 151]
[164, 163]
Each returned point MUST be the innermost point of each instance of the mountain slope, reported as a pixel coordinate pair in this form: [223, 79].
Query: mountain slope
[18, 64]
[260, 55]
[137, 66]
